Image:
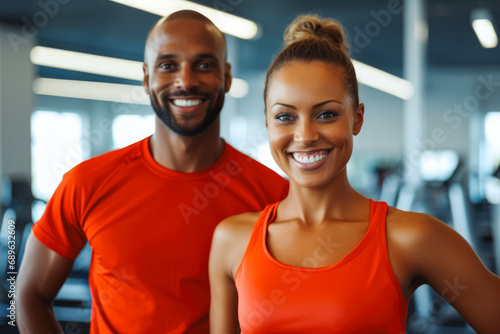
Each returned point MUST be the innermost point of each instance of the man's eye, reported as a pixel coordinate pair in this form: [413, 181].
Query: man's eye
[166, 66]
[284, 117]
[206, 65]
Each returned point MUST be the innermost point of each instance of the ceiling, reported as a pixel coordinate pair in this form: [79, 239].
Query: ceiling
[107, 28]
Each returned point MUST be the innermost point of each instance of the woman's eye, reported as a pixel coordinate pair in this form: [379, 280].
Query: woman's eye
[284, 117]
[327, 114]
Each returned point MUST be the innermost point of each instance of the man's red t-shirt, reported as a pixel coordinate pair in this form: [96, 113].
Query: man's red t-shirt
[150, 230]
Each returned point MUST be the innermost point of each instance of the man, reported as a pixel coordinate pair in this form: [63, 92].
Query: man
[149, 210]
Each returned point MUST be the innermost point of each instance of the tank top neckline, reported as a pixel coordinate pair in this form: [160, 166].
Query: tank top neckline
[271, 214]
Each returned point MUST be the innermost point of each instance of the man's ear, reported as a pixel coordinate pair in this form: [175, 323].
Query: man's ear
[228, 78]
[359, 117]
[145, 79]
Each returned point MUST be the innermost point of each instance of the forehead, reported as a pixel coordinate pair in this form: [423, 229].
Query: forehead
[307, 82]
[184, 37]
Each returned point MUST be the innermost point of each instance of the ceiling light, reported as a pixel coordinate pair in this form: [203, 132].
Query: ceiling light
[239, 88]
[89, 90]
[383, 81]
[108, 66]
[227, 23]
[103, 91]
[132, 70]
[483, 26]
[88, 63]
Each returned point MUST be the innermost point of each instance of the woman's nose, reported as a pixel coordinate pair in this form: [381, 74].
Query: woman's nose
[306, 133]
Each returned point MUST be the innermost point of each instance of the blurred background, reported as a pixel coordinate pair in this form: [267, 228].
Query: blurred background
[429, 73]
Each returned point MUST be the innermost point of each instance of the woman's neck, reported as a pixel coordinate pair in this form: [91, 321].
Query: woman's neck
[335, 201]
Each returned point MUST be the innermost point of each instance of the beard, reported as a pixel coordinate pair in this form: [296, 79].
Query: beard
[165, 113]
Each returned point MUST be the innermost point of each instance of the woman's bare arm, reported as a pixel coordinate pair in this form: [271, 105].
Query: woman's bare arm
[443, 259]
[229, 243]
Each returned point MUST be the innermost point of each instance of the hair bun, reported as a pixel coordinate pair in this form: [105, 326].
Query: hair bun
[312, 27]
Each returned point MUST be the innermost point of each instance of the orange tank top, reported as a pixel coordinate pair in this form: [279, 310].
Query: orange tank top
[358, 294]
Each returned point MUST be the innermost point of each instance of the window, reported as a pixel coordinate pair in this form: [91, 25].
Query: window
[57, 145]
[492, 153]
[492, 156]
[128, 129]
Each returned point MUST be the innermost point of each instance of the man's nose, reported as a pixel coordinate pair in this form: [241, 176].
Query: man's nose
[186, 78]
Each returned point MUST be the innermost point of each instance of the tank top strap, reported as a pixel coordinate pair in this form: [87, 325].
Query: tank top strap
[378, 213]
[379, 217]
[259, 229]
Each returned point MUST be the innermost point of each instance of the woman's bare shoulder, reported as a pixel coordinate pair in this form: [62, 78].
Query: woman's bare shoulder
[235, 230]
[413, 225]
[231, 238]
[419, 236]
[237, 224]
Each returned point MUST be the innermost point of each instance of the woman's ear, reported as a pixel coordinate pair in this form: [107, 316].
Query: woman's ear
[359, 117]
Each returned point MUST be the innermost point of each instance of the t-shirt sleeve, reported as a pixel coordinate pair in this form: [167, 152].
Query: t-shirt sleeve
[60, 227]
[282, 185]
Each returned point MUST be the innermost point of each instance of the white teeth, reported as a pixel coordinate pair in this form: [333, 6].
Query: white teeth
[308, 160]
[186, 103]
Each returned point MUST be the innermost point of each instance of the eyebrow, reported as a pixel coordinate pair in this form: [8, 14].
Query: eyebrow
[314, 107]
[167, 56]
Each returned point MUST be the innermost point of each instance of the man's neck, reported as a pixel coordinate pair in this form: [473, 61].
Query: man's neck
[186, 153]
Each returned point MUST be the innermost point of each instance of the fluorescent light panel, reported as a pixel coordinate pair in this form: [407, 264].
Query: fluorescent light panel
[108, 66]
[227, 23]
[132, 70]
[88, 63]
[89, 90]
[485, 33]
[102, 91]
[483, 27]
[383, 81]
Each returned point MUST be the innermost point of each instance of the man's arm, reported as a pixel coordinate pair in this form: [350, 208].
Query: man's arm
[41, 275]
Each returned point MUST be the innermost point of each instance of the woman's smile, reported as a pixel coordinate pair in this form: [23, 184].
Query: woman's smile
[311, 122]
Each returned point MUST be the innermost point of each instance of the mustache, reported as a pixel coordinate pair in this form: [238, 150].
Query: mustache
[190, 92]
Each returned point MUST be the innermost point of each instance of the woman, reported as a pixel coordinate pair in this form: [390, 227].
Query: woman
[326, 259]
